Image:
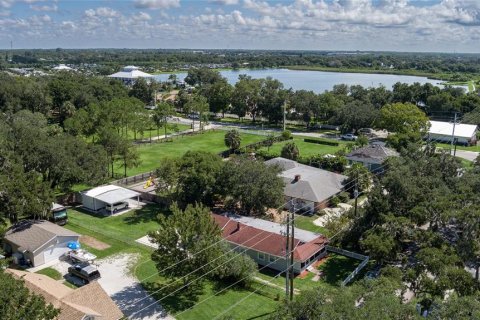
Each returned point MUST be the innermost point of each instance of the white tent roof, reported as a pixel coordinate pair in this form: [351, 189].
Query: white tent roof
[446, 129]
[62, 67]
[111, 194]
[130, 72]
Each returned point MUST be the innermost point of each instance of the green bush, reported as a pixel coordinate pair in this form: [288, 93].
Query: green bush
[334, 201]
[287, 135]
[343, 196]
[325, 142]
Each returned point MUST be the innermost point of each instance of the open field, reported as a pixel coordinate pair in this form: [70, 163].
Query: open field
[152, 154]
[306, 148]
[153, 132]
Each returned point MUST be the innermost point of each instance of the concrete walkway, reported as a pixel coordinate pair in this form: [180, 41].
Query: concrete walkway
[467, 155]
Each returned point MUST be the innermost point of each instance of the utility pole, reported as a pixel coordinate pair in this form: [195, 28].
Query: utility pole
[355, 193]
[284, 115]
[453, 134]
[287, 258]
[292, 246]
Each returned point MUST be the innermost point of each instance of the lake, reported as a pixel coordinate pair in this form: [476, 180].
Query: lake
[317, 81]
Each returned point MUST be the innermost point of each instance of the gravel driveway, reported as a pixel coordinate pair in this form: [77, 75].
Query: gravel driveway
[126, 291]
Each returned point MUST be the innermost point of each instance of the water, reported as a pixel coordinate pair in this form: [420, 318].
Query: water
[317, 81]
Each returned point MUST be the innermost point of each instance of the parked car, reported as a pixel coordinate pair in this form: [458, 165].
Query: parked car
[116, 206]
[365, 131]
[349, 137]
[85, 271]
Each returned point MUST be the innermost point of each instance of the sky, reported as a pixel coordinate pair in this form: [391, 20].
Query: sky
[379, 25]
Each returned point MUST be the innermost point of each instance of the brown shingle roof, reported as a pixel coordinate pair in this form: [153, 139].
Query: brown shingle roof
[31, 235]
[265, 241]
[74, 304]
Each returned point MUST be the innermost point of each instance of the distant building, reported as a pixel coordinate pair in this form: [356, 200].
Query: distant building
[62, 67]
[464, 134]
[130, 74]
[310, 188]
[264, 241]
[371, 156]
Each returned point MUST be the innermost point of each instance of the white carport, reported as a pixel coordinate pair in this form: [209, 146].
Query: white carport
[98, 198]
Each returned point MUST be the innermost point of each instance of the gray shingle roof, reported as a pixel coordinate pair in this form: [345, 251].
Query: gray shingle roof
[31, 235]
[314, 184]
[372, 154]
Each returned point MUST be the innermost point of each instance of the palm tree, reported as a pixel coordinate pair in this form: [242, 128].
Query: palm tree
[233, 140]
[290, 151]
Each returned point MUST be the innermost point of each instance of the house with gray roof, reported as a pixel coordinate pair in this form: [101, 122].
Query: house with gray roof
[37, 241]
[310, 188]
[371, 156]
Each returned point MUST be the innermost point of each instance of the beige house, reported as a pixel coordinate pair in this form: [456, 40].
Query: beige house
[89, 302]
[37, 242]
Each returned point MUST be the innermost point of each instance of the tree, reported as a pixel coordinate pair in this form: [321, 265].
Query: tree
[218, 95]
[358, 175]
[197, 178]
[113, 144]
[355, 115]
[251, 185]
[142, 91]
[290, 151]
[233, 139]
[128, 156]
[16, 301]
[403, 118]
[197, 105]
[246, 96]
[181, 236]
[160, 117]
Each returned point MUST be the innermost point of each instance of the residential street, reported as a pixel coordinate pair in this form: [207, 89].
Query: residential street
[467, 155]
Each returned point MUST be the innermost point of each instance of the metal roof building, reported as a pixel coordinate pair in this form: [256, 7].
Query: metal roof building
[462, 133]
[98, 198]
[129, 74]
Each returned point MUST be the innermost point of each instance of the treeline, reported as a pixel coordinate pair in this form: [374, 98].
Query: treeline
[351, 107]
[158, 59]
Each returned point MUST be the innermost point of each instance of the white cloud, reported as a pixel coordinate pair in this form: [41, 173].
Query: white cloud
[46, 8]
[156, 4]
[142, 16]
[102, 12]
[6, 3]
[224, 2]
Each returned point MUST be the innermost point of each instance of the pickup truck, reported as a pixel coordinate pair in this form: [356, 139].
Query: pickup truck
[85, 271]
[348, 137]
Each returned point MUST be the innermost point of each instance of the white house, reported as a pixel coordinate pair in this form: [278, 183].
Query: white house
[129, 74]
[465, 134]
[62, 67]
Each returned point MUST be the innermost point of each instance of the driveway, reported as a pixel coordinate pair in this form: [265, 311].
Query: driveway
[123, 288]
[126, 291]
[467, 155]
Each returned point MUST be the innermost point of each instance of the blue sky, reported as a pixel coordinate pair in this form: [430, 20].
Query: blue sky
[397, 25]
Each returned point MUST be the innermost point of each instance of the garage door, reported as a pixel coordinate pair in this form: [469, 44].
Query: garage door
[55, 252]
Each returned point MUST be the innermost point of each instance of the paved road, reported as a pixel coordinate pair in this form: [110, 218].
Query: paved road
[467, 155]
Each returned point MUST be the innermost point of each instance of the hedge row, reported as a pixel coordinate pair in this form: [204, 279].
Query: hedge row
[328, 143]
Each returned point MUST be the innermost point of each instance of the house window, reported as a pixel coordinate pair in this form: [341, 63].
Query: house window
[271, 258]
[261, 256]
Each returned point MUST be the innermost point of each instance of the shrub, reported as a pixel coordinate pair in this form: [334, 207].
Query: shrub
[325, 142]
[290, 151]
[334, 201]
[343, 196]
[287, 135]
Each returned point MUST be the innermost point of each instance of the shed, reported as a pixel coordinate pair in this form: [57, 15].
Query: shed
[38, 241]
[465, 134]
[99, 198]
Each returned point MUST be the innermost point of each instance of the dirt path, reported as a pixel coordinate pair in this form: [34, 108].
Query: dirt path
[94, 243]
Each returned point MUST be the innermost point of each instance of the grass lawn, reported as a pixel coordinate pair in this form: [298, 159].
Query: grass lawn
[50, 272]
[306, 148]
[335, 269]
[470, 148]
[152, 154]
[153, 131]
[306, 223]
[120, 232]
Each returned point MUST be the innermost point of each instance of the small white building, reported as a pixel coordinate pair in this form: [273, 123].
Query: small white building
[107, 198]
[464, 134]
[129, 74]
[62, 67]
